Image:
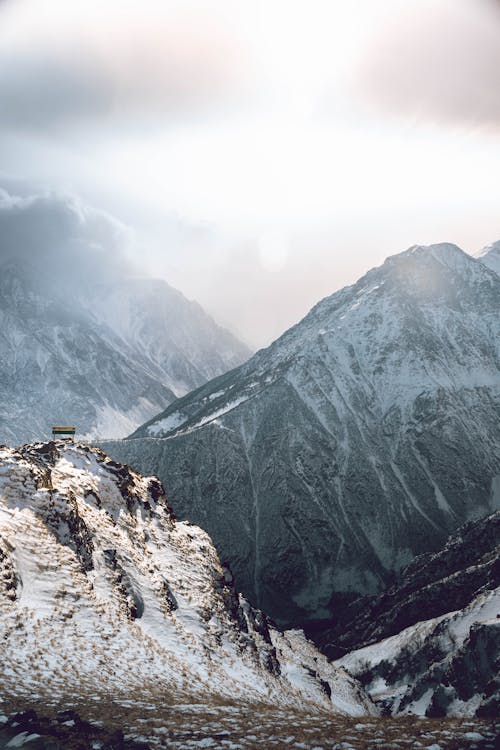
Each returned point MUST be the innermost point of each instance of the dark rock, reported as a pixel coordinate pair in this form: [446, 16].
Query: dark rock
[430, 586]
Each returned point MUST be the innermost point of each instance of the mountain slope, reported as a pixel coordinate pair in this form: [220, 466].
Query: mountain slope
[440, 651]
[59, 366]
[103, 593]
[431, 585]
[82, 340]
[174, 336]
[361, 437]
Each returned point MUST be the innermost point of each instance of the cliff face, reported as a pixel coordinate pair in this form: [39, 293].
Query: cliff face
[360, 438]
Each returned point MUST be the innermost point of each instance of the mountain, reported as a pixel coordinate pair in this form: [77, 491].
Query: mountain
[58, 365]
[122, 630]
[430, 644]
[103, 593]
[83, 341]
[180, 343]
[360, 438]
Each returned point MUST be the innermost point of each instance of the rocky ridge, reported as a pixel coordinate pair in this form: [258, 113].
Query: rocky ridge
[430, 586]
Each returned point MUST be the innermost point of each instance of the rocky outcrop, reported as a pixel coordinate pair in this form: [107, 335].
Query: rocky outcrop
[64, 731]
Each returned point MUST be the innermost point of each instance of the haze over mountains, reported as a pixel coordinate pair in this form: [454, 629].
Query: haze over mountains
[83, 339]
[294, 546]
[360, 438]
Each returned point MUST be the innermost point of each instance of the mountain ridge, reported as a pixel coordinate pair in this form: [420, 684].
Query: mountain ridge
[446, 254]
[430, 643]
[490, 256]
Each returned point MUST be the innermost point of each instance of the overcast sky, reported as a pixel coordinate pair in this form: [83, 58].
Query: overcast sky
[264, 153]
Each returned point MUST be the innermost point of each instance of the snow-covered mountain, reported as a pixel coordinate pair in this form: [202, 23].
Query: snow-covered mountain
[103, 593]
[360, 438]
[82, 340]
[180, 343]
[433, 639]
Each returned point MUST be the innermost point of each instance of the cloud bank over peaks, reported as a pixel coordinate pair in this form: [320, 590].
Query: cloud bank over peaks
[59, 239]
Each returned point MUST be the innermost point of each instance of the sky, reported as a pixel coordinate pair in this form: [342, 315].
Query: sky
[259, 154]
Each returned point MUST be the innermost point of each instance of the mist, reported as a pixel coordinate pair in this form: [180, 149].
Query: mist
[59, 241]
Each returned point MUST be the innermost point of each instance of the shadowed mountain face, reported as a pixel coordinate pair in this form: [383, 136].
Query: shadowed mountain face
[431, 642]
[360, 438]
[430, 586]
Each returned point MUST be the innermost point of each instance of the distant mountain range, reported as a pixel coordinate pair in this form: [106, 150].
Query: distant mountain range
[360, 438]
[82, 340]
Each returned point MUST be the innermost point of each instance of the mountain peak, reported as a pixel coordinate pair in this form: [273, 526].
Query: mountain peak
[446, 253]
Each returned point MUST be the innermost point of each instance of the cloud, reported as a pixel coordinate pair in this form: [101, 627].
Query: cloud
[60, 240]
[438, 61]
[110, 63]
[38, 93]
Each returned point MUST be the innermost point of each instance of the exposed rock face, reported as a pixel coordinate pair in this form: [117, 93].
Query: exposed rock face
[360, 438]
[103, 593]
[431, 643]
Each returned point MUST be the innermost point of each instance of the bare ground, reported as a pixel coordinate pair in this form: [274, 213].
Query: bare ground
[183, 722]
